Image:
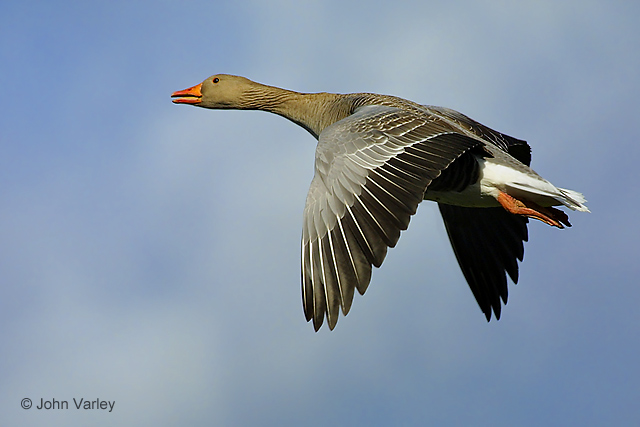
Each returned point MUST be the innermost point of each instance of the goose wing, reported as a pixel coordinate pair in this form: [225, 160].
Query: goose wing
[487, 242]
[371, 171]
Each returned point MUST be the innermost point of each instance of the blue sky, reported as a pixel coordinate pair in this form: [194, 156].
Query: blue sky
[149, 253]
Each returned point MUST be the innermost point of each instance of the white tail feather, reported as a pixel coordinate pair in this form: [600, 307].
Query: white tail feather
[576, 200]
[569, 198]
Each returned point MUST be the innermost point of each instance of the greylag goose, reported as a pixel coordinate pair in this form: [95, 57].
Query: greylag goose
[377, 158]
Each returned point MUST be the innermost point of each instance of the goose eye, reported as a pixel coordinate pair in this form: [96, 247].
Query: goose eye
[216, 80]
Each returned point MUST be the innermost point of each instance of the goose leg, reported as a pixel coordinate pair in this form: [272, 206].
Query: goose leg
[551, 216]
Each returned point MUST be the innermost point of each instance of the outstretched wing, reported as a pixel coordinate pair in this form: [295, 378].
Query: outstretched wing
[372, 169]
[487, 243]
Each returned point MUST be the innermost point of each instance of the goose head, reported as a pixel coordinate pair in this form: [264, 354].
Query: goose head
[220, 91]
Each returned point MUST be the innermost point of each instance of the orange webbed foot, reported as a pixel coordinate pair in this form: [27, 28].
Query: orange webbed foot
[548, 215]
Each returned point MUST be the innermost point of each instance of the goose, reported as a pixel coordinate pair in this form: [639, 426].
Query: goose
[376, 159]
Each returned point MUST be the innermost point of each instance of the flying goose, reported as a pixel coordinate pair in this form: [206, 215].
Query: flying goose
[377, 158]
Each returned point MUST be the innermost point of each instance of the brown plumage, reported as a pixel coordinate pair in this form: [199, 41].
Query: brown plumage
[377, 158]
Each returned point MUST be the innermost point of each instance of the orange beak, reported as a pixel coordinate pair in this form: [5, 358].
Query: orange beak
[193, 95]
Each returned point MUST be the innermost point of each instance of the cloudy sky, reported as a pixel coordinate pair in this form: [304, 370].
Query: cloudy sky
[149, 252]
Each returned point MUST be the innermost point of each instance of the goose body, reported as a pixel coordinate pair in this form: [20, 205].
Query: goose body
[377, 158]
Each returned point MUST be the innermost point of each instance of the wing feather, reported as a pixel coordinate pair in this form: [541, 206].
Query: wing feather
[487, 243]
[372, 170]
